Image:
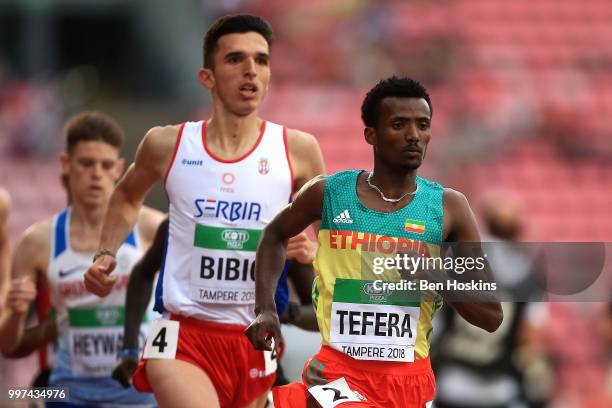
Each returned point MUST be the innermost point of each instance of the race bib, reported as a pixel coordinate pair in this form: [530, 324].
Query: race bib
[223, 265]
[162, 340]
[370, 324]
[334, 393]
[95, 336]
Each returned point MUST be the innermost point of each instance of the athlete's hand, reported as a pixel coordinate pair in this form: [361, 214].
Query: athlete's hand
[97, 278]
[261, 331]
[301, 248]
[21, 293]
[124, 370]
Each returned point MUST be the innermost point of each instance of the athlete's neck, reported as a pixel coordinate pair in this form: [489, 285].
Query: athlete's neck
[393, 182]
[230, 136]
[86, 226]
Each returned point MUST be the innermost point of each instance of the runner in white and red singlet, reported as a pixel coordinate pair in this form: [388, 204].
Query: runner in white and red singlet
[226, 178]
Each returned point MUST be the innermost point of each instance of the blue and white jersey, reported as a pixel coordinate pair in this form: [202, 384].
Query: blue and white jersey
[90, 329]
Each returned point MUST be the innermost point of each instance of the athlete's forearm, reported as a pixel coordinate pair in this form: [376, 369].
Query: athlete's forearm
[271, 254]
[302, 315]
[34, 338]
[302, 275]
[306, 319]
[121, 218]
[140, 286]
[138, 294]
[11, 331]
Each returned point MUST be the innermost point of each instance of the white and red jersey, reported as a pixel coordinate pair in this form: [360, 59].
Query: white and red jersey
[218, 209]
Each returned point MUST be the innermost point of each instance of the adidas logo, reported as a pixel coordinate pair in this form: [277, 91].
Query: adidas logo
[343, 218]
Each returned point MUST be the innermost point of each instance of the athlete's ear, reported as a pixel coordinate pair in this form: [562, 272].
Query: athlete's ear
[206, 77]
[64, 159]
[369, 135]
[119, 169]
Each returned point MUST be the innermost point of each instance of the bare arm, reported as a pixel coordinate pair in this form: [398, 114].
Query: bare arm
[140, 287]
[153, 158]
[460, 226]
[301, 314]
[138, 295]
[149, 222]
[303, 211]
[29, 259]
[129, 194]
[306, 157]
[307, 160]
[34, 338]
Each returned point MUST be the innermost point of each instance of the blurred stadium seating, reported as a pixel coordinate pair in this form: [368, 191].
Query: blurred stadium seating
[548, 56]
[522, 95]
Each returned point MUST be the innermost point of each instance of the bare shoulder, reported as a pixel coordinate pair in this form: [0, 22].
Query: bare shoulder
[5, 204]
[313, 188]
[305, 155]
[156, 149]
[38, 233]
[459, 220]
[454, 199]
[161, 138]
[456, 205]
[148, 222]
[299, 140]
[317, 182]
[34, 246]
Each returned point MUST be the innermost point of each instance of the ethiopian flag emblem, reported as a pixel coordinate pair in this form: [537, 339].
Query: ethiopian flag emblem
[418, 227]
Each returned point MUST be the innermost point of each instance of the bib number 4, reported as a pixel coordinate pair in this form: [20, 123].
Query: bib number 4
[162, 340]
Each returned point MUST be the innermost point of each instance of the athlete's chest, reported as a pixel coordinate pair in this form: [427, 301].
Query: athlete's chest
[251, 189]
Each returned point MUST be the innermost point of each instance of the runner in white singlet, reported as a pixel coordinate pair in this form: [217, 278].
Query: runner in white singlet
[225, 178]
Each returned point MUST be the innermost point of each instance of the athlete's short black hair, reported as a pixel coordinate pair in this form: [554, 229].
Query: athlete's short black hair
[391, 87]
[232, 24]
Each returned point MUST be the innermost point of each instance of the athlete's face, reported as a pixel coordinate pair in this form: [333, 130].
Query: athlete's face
[403, 131]
[93, 167]
[241, 72]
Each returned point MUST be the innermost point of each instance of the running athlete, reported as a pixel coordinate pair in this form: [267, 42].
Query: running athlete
[375, 344]
[46, 326]
[226, 178]
[57, 251]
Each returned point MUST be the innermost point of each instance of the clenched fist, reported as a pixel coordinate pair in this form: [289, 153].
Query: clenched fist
[263, 329]
[97, 278]
[21, 293]
[124, 370]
